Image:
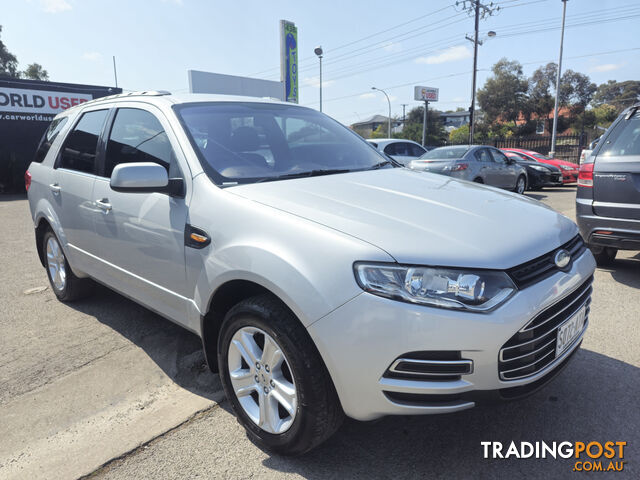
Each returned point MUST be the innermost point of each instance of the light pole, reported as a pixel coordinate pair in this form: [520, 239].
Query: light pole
[388, 100]
[318, 52]
[476, 42]
[552, 153]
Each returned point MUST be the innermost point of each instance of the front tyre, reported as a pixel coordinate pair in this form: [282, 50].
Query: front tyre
[273, 375]
[64, 283]
[521, 185]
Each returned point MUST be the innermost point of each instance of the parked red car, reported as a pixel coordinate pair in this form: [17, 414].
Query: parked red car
[569, 170]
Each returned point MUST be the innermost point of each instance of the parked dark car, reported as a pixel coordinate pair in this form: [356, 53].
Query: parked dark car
[540, 175]
[608, 196]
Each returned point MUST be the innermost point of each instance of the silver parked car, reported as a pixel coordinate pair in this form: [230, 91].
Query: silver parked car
[322, 280]
[402, 151]
[475, 163]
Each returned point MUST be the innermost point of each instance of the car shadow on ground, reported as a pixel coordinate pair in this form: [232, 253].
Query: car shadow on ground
[12, 197]
[177, 351]
[626, 271]
[591, 400]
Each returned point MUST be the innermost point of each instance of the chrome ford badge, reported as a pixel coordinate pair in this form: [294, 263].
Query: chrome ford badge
[562, 258]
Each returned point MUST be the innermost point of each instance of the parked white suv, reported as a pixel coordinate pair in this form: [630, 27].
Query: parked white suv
[322, 280]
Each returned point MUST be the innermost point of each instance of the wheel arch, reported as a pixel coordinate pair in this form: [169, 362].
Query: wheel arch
[222, 300]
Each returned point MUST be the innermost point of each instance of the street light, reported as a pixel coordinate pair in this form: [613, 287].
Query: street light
[318, 52]
[385, 94]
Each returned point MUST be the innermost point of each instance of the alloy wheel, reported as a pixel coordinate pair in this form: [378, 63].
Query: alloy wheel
[262, 380]
[56, 264]
[521, 185]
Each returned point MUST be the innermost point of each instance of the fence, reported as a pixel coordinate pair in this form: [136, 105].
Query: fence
[568, 147]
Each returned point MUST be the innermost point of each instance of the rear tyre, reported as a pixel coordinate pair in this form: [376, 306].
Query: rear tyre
[521, 185]
[604, 256]
[273, 375]
[64, 283]
[478, 180]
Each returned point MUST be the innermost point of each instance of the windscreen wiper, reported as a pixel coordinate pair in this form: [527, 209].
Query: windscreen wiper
[310, 173]
[385, 163]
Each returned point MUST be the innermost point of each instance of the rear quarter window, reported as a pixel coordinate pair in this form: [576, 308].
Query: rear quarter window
[48, 138]
[624, 139]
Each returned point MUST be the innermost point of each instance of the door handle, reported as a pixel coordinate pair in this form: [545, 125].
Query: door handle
[103, 204]
[55, 188]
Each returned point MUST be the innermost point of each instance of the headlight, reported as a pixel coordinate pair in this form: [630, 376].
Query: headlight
[540, 169]
[564, 167]
[474, 290]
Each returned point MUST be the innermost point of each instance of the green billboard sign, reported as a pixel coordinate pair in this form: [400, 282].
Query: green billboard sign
[289, 60]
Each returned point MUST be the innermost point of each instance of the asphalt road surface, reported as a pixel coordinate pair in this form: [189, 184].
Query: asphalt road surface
[105, 388]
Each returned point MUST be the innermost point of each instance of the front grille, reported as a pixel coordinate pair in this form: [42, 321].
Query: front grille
[544, 266]
[534, 346]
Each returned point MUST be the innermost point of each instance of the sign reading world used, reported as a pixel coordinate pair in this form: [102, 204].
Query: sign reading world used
[426, 94]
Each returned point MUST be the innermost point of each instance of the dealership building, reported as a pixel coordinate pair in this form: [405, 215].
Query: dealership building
[26, 108]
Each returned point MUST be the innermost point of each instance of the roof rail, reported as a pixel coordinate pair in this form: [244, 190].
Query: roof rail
[146, 93]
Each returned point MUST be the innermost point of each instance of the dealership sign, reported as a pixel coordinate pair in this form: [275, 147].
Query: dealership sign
[426, 94]
[18, 100]
[289, 60]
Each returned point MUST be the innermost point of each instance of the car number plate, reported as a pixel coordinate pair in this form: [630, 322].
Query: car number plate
[569, 330]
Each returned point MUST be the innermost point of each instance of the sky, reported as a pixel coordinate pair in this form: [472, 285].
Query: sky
[392, 45]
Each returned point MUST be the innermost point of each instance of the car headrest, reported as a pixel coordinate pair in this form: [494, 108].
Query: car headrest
[245, 139]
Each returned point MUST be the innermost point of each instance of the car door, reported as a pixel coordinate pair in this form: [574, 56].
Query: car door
[506, 173]
[486, 167]
[72, 188]
[616, 170]
[142, 234]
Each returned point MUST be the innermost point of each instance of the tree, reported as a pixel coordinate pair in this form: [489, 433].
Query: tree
[381, 131]
[618, 94]
[35, 72]
[412, 130]
[8, 61]
[540, 98]
[604, 115]
[460, 135]
[576, 90]
[504, 94]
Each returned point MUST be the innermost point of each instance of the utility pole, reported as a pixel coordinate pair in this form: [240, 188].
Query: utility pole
[115, 74]
[552, 153]
[475, 72]
[479, 11]
[404, 117]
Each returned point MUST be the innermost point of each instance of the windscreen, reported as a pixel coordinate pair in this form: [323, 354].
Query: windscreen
[251, 142]
[445, 153]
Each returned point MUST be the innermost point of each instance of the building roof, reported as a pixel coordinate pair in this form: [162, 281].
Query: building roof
[372, 119]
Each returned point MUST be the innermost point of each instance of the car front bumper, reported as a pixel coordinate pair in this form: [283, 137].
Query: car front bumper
[360, 340]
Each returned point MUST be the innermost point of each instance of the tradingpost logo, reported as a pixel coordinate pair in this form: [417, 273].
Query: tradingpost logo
[588, 456]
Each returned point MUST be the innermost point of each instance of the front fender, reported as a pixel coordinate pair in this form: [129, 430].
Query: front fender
[295, 281]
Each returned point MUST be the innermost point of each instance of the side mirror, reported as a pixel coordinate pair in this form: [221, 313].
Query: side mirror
[143, 177]
[510, 161]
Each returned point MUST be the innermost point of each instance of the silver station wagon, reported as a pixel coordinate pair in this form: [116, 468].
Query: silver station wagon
[322, 279]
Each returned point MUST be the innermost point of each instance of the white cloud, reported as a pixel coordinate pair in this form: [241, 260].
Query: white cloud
[315, 82]
[451, 54]
[92, 56]
[55, 6]
[606, 67]
[367, 95]
[392, 47]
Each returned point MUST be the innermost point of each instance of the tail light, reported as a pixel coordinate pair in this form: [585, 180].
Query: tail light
[27, 180]
[585, 175]
[459, 167]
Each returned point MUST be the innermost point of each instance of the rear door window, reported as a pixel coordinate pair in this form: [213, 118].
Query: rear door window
[138, 136]
[482, 155]
[49, 136]
[79, 151]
